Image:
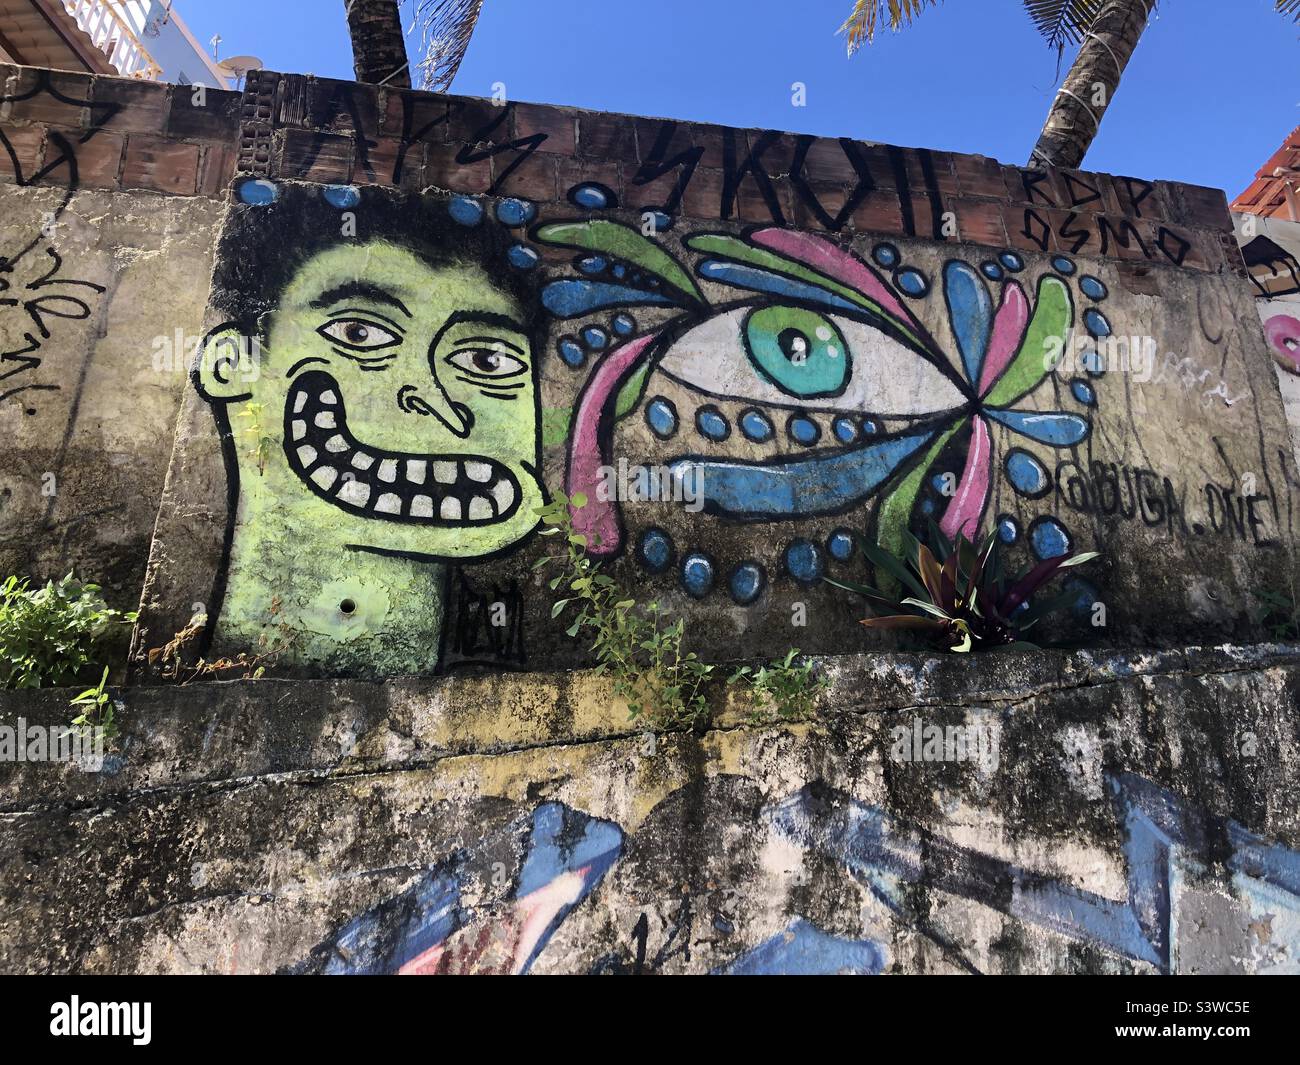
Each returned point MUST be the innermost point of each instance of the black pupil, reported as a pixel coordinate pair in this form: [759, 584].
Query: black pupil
[357, 333]
[487, 361]
[793, 344]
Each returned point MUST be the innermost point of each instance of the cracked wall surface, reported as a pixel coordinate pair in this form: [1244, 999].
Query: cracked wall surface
[1123, 813]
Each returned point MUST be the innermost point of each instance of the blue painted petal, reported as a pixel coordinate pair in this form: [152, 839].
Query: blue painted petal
[1056, 427]
[970, 309]
[762, 281]
[805, 487]
[573, 298]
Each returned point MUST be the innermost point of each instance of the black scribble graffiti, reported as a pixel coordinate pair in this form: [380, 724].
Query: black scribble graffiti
[27, 306]
[27, 309]
[487, 626]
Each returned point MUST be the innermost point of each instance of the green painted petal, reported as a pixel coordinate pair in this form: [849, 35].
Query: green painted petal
[1049, 328]
[897, 507]
[631, 392]
[622, 242]
[738, 250]
[555, 425]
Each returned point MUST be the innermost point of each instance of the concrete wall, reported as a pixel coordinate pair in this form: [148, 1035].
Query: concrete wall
[817, 338]
[1090, 814]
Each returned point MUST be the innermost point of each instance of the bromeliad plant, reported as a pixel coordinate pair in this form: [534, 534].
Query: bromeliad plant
[957, 594]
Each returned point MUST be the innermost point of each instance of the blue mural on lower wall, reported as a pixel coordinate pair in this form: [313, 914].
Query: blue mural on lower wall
[429, 928]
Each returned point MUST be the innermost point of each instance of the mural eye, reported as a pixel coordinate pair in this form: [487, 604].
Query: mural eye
[359, 334]
[487, 362]
[800, 351]
[782, 355]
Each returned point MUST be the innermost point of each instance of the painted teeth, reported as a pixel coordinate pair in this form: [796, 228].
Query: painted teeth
[448, 490]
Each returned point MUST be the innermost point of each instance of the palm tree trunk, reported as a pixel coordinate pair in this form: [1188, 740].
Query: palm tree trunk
[1090, 86]
[378, 45]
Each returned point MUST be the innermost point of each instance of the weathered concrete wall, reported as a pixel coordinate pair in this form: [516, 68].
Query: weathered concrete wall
[1271, 249]
[803, 339]
[1103, 813]
[107, 235]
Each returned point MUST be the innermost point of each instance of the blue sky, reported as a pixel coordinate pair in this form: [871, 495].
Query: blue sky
[1205, 100]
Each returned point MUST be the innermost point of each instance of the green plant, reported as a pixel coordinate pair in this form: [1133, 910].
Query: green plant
[639, 648]
[960, 597]
[49, 636]
[786, 687]
[1278, 615]
[97, 709]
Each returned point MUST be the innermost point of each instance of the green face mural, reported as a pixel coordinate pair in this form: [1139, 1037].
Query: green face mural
[391, 426]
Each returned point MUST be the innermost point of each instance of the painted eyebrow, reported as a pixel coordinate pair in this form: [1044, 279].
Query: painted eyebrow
[491, 340]
[358, 290]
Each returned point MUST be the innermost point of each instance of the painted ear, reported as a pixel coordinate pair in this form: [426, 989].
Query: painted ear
[226, 365]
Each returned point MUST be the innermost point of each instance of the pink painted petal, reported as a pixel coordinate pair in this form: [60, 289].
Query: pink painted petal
[1009, 326]
[967, 506]
[586, 456]
[826, 257]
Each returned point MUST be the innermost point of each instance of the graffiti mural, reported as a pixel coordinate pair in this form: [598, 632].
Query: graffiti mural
[824, 373]
[1270, 257]
[377, 397]
[560, 859]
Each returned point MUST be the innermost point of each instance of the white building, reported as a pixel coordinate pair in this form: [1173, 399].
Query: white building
[132, 38]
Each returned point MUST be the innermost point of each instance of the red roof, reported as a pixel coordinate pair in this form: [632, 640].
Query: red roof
[1266, 195]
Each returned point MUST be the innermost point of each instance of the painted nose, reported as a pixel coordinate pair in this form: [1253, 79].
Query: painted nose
[433, 401]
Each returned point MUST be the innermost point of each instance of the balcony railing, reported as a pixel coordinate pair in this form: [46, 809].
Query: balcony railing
[108, 28]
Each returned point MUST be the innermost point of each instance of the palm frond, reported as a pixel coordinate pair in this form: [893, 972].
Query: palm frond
[860, 27]
[1063, 22]
[1289, 7]
[445, 28]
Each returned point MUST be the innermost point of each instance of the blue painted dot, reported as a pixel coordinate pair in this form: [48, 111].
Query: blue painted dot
[661, 416]
[912, 282]
[1012, 261]
[840, 545]
[756, 426]
[1008, 529]
[697, 574]
[712, 424]
[928, 506]
[658, 220]
[655, 550]
[465, 210]
[513, 212]
[1085, 596]
[624, 325]
[593, 264]
[1084, 392]
[747, 582]
[572, 352]
[595, 338]
[522, 257]
[885, 255]
[258, 192]
[1048, 538]
[1096, 323]
[870, 427]
[992, 271]
[592, 197]
[939, 482]
[1094, 288]
[619, 271]
[804, 430]
[1064, 266]
[1093, 363]
[845, 429]
[804, 561]
[1027, 475]
[344, 197]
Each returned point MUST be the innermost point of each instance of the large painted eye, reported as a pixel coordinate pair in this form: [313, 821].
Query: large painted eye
[359, 334]
[781, 355]
[799, 351]
[487, 362]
